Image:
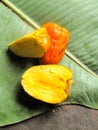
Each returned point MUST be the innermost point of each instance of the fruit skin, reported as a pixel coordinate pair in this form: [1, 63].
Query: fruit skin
[33, 45]
[48, 83]
[59, 39]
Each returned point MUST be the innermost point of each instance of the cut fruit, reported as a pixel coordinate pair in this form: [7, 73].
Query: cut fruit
[48, 83]
[33, 45]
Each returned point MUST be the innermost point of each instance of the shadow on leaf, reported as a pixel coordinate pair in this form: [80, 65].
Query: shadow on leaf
[29, 102]
[21, 62]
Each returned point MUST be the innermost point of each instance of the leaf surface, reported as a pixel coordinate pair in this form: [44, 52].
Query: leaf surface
[81, 19]
[15, 104]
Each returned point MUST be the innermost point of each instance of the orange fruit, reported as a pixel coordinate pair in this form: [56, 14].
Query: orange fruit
[59, 37]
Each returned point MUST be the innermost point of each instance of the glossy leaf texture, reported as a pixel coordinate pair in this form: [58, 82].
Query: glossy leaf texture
[81, 19]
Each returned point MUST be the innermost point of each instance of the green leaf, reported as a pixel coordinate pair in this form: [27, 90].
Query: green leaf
[15, 105]
[85, 88]
[80, 18]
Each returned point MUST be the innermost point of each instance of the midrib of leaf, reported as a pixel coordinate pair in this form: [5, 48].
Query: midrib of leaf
[80, 63]
[21, 14]
[36, 26]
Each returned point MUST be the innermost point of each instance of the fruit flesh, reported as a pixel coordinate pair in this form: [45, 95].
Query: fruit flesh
[48, 83]
[32, 45]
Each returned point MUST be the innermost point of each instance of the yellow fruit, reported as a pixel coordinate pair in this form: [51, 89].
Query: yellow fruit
[31, 45]
[48, 83]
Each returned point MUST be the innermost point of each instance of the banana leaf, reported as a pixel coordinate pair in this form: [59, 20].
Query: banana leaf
[19, 17]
